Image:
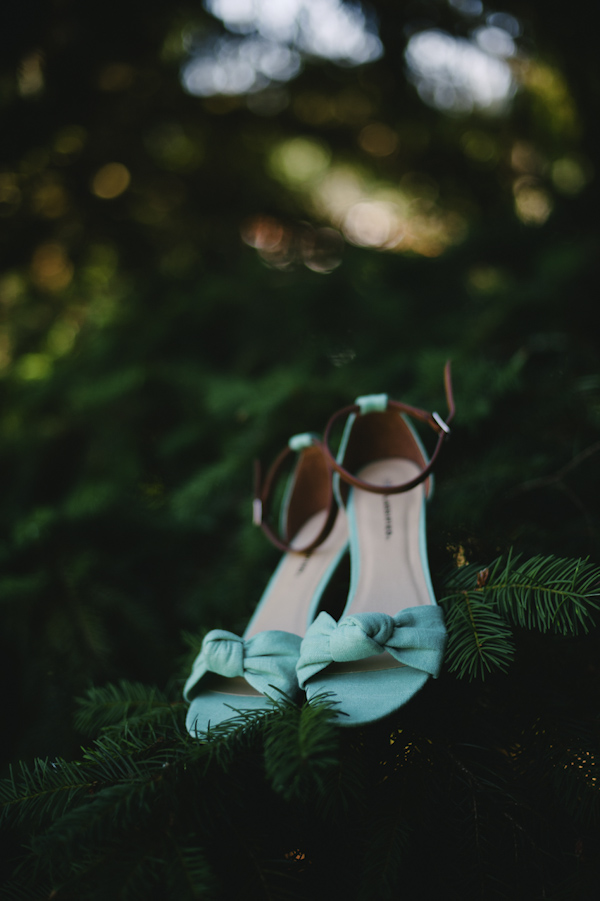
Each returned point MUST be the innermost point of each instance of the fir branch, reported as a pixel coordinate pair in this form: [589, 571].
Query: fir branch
[564, 756]
[479, 640]
[301, 748]
[551, 594]
[385, 850]
[220, 744]
[126, 869]
[131, 872]
[121, 706]
[26, 889]
[577, 781]
[124, 805]
[344, 786]
[44, 791]
[188, 871]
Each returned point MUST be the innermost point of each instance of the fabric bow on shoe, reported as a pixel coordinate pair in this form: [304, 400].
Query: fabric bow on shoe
[415, 637]
[266, 660]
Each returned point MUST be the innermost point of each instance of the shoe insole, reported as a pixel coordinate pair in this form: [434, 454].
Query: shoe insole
[388, 526]
[391, 570]
[288, 602]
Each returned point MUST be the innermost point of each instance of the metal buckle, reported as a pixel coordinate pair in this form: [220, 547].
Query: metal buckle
[437, 418]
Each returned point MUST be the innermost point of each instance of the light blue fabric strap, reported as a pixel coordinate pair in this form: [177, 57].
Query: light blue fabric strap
[368, 403]
[296, 444]
[266, 659]
[303, 440]
[372, 403]
[415, 637]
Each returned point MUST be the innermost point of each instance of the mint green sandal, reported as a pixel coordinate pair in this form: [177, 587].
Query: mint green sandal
[233, 673]
[391, 637]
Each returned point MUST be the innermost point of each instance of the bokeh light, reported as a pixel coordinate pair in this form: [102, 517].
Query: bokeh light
[173, 148]
[378, 139]
[479, 146]
[50, 199]
[570, 174]
[269, 39]
[51, 269]
[327, 28]
[458, 75]
[10, 193]
[111, 181]
[283, 245]
[239, 66]
[373, 223]
[533, 203]
[30, 75]
[369, 211]
[69, 141]
[299, 160]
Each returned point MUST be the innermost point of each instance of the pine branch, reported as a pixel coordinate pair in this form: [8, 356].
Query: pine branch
[577, 780]
[43, 792]
[126, 804]
[131, 757]
[551, 594]
[548, 594]
[479, 640]
[47, 789]
[123, 706]
[23, 889]
[386, 847]
[564, 756]
[301, 748]
[220, 745]
[188, 872]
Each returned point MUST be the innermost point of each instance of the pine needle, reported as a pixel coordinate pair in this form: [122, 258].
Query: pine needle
[547, 594]
[300, 748]
[116, 706]
[479, 640]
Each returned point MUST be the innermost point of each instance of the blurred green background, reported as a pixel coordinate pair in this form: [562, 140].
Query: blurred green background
[220, 222]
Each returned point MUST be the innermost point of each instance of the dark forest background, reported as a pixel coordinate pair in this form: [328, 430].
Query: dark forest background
[190, 274]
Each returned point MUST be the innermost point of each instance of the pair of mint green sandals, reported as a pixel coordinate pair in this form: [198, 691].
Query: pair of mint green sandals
[370, 500]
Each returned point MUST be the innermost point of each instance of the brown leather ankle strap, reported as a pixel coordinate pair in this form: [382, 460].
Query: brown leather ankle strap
[263, 496]
[434, 420]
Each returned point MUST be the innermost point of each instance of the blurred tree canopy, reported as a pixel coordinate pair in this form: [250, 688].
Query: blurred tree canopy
[219, 223]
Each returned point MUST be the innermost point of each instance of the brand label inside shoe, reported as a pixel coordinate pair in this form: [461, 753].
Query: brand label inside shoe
[304, 563]
[387, 513]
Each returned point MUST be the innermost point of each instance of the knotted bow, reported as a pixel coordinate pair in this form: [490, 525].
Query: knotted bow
[266, 660]
[415, 637]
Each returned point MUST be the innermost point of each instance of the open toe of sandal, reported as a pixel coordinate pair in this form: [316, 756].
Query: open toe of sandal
[234, 673]
[251, 672]
[391, 636]
[371, 663]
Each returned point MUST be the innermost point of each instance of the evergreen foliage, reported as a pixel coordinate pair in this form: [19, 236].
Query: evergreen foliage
[154, 343]
[547, 594]
[149, 811]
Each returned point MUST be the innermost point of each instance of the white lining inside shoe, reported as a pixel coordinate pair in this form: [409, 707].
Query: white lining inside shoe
[289, 597]
[389, 569]
[391, 575]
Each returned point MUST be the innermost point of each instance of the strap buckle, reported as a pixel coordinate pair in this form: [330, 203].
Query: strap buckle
[443, 426]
